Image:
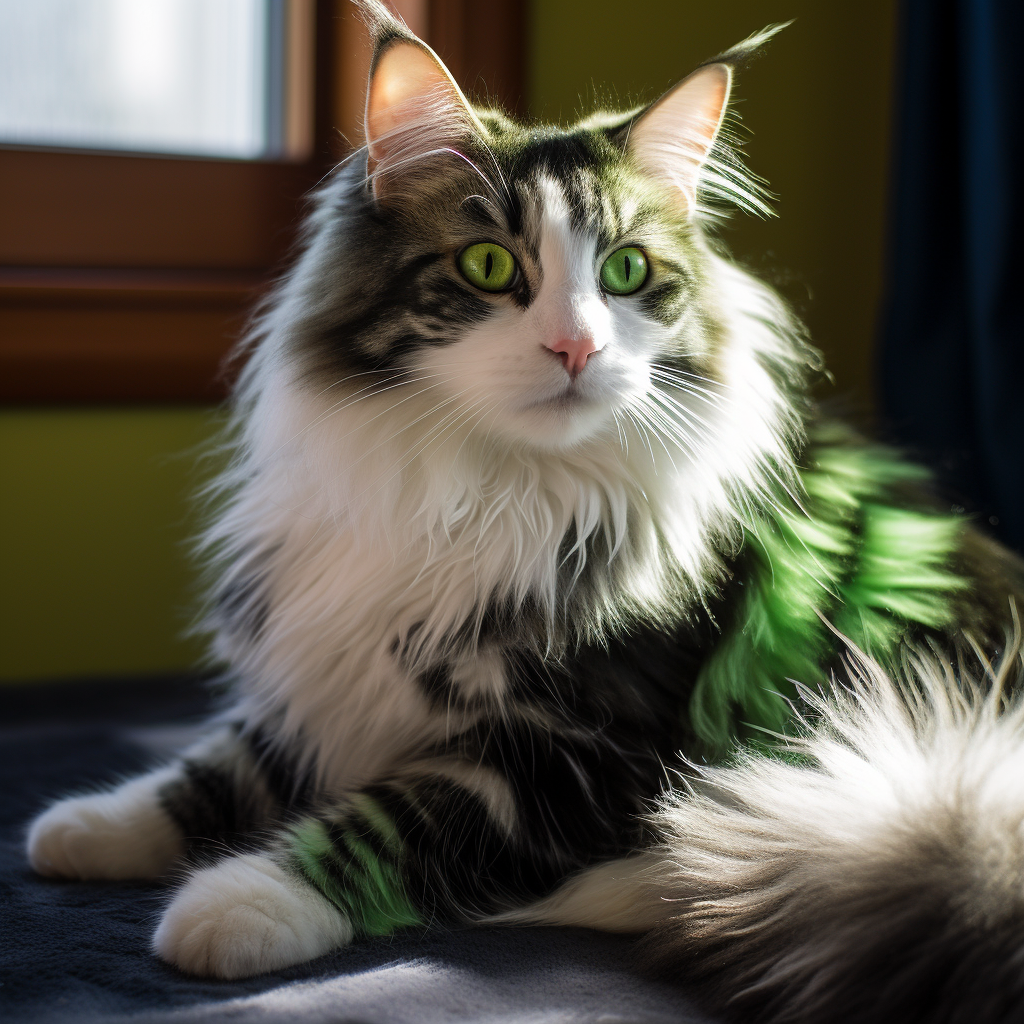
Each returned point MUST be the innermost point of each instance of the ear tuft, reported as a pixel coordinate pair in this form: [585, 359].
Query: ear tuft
[740, 55]
[381, 23]
[379, 19]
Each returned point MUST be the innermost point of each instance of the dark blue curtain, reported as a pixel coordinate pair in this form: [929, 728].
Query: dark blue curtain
[952, 333]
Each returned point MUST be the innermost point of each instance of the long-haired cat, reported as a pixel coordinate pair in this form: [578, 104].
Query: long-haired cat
[530, 529]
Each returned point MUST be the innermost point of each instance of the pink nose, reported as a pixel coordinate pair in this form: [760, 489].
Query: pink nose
[574, 352]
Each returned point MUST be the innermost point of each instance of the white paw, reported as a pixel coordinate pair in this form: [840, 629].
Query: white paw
[244, 916]
[121, 834]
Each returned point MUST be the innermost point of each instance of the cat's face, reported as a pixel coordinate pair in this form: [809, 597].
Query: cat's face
[525, 284]
[595, 287]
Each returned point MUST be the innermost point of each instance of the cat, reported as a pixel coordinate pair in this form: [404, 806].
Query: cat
[531, 522]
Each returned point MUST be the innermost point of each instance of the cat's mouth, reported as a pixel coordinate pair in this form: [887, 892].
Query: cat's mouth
[568, 400]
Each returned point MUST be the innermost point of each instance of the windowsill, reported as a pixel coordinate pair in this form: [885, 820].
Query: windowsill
[77, 335]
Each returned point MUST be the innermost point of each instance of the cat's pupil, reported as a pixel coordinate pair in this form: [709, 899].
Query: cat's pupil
[488, 264]
[627, 269]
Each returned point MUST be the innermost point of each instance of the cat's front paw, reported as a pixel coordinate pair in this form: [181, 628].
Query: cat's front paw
[245, 916]
[124, 833]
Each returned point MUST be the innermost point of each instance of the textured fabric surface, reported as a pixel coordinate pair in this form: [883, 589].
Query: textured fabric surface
[79, 950]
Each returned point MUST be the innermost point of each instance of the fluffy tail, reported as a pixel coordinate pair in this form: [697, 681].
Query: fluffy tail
[873, 873]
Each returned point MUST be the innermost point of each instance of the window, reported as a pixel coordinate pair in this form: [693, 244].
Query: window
[147, 203]
[167, 76]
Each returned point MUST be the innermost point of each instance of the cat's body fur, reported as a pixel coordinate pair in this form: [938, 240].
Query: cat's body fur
[471, 607]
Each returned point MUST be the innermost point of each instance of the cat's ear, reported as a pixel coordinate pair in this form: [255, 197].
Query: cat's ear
[672, 138]
[414, 108]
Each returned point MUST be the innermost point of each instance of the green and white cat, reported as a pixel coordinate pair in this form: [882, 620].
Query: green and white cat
[529, 499]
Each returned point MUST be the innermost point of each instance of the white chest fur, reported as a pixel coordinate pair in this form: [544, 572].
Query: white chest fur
[328, 658]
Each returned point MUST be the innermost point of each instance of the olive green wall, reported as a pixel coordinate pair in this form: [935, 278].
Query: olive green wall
[94, 503]
[94, 517]
[817, 107]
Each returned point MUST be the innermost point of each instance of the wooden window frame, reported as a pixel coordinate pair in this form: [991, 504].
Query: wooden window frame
[128, 278]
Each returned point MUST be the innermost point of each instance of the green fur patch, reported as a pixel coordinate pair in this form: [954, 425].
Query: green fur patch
[357, 865]
[852, 556]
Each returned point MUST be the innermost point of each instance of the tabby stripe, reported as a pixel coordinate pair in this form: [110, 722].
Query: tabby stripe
[289, 784]
[203, 802]
[359, 869]
[461, 862]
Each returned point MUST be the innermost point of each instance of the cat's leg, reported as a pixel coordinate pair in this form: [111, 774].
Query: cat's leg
[142, 828]
[453, 838]
[332, 875]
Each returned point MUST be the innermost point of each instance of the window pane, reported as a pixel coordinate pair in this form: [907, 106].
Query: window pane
[170, 76]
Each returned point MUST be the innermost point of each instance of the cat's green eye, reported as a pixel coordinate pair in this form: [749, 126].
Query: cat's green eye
[624, 271]
[488, 266]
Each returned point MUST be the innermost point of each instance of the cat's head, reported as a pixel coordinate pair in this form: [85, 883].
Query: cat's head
[546, 285]
[512, 349]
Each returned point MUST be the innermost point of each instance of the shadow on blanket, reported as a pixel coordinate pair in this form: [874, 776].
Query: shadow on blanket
[79, 950]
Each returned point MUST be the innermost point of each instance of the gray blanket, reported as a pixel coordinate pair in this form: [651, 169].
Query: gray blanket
[78, 951]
